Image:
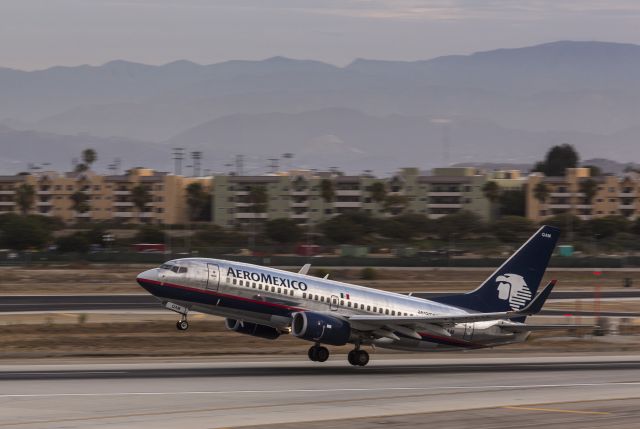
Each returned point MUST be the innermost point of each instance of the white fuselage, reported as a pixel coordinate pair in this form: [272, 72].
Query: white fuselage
[269, 296]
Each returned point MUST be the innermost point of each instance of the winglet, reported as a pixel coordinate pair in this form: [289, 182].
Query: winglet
[536, 304]
[304, 269]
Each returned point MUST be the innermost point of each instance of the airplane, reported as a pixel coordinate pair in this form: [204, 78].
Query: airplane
[267, 302]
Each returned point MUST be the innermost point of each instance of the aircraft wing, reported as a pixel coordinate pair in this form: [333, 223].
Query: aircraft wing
[529, 328]
[534, 307]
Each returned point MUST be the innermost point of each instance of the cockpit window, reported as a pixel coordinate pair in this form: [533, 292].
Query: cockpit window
[174, 269]
[182, 270]
[166, 266]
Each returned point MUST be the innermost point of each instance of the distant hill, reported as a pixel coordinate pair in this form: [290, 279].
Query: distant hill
[507, 104]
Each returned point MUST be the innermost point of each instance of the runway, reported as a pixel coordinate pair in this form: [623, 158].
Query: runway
[32, 303]
[278, 391]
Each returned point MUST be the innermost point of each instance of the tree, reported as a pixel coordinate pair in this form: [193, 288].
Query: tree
[608, 226]
[348, 227]
[594, 170]
[327, 191]
[198, 202]
[491, 192]
[77, 242]
[80, 202]
[150, 234]
[458, 225]
[378, 192]
[25, 197]
[395, 204]
[566, 222]
[513, 229]
[557, 160]
[140, 197]
[89, 156]
[258, 199]
[512, 202]
[283, 230]
[589, 188]
[541, 192]
[23, 232]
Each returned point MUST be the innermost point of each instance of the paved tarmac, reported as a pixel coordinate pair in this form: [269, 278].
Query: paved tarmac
[31, 303]
[573, 391]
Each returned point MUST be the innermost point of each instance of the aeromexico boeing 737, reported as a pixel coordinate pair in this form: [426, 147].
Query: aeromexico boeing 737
[267, 302]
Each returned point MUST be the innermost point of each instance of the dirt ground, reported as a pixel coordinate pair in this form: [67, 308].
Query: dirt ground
[88, 279]
[154, 335]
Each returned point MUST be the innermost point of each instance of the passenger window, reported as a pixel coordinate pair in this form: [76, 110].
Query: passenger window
[316, 297]
[349, 304]
[279, 290]
[241, 283]
[322, 299]
[260, 286]
[386, 311]
[342, 302]
[380, 311]
[291, 292]
[304, 294]
[273, 288]
[361, 306]
[375, 309]
[393, 313]
[235, 281]
[254, 285]
[369, 308]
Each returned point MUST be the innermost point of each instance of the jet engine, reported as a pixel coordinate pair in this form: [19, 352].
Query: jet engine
[320, 328]
[253, 329]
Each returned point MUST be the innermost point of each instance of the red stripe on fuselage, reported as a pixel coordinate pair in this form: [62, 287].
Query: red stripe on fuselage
[221, 295]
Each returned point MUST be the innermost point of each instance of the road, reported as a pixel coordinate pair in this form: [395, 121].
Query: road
[575, 391]
[31, 303]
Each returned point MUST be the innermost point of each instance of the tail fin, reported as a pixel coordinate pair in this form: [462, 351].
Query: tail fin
[515, 283]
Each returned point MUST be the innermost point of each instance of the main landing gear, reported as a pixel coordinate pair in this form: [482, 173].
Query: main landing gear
[182, 324]
[318, 353]
[358, 357]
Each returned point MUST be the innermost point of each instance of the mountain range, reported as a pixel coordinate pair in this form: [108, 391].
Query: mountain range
[506, 105]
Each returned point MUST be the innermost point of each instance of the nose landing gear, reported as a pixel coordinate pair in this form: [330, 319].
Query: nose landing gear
[182, 324]
[318, 353]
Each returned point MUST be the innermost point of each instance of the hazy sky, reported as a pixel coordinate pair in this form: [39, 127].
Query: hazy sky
[40, 33]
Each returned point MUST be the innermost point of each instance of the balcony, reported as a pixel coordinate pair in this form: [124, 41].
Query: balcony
[251, 215]
[560, 206]
[124, 214]
[627, 207]
[300, 216]
[444, 194]
[627, 195]
[7, 203]
[44, 203]
[301, 193]
[120, 192]
[302, 204]
[445, 206]
[347, 204]
[9, 192]
[123, 204]
[348, 193]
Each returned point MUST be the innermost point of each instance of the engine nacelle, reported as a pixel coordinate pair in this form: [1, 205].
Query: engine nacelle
[320, 328]
[253, 329]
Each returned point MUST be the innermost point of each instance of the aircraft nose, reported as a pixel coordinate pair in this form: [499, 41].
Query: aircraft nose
[151, 274]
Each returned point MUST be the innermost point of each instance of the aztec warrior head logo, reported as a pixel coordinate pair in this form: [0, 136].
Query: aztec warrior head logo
[515, 289]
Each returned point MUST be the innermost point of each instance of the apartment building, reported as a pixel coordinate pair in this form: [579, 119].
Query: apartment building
[302, 195]
[107, 197]
[612, 195]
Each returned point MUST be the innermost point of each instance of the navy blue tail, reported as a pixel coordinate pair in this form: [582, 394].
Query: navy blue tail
[515, 283]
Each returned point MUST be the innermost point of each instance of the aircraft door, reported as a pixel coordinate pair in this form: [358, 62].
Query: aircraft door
[468, 331]
[213, 279]
[333, 304]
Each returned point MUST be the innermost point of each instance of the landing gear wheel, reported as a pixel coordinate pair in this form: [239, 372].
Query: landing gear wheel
[318, 353]
[358, 357]
[322, 354]
[182, 325]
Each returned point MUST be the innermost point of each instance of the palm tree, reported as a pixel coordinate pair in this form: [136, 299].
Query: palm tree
[197, 200]
[258, 199]
[80, 202]
[25, 197]
[140, 197]
[378, 192]
[327, 192]
[589, 188]
[541, 192]
[89, 156]
[395, 204]
[491, 192]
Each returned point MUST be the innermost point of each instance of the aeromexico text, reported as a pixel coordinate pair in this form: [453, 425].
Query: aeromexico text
[266, 278]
